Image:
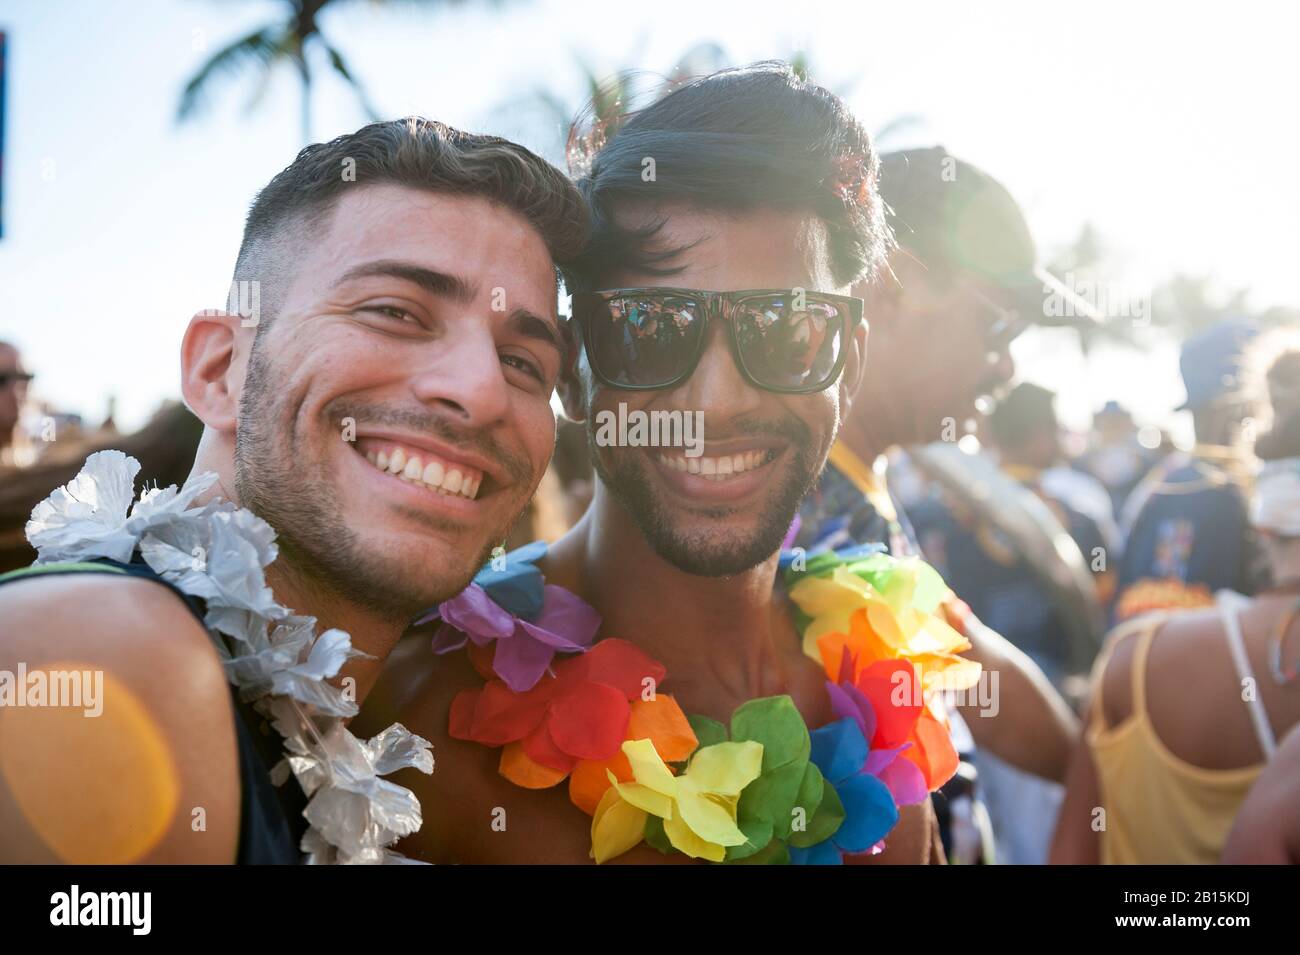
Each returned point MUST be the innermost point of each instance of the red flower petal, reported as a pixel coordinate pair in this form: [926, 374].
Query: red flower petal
[539, 746]
[895, 694]
[589, 721]
[503, 716]
[615, 663]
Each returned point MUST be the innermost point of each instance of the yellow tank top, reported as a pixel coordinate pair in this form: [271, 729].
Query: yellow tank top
[1160, 809]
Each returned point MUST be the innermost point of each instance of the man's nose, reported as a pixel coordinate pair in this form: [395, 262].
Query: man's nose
[462, 376]
[717, 387]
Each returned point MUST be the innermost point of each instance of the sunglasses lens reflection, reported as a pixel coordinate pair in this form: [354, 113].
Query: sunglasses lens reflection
[787, 344]
[643, 341]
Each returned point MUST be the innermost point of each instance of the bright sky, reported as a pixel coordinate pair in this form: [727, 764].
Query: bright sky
[1162, 124]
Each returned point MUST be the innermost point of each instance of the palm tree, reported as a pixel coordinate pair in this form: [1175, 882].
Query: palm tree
[289, 40]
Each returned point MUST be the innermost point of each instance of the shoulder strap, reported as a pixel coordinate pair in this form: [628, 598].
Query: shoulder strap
[1227, 604]
[1144, 627]
[105, 565]
[1139, 674]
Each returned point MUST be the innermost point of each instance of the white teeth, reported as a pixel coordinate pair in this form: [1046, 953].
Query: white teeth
[717, 469]
[435, 475]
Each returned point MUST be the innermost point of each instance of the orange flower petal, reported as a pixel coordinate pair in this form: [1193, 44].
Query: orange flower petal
[932, 752]
[521, 770]
[662, 722]
[588, 782]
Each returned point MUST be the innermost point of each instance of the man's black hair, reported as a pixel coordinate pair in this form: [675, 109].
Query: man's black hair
[736, 141]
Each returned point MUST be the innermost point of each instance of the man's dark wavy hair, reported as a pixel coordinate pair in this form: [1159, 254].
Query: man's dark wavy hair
[740, 140]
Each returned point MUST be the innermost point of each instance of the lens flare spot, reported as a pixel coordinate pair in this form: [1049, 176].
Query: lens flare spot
[48, 753]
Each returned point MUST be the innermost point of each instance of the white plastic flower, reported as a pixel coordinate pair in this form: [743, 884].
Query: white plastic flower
[296, 663]
[91, 516]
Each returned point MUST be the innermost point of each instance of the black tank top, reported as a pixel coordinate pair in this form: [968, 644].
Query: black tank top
[270, 817]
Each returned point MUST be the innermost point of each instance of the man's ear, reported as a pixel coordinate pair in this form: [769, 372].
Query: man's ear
[210, 379]
[855, 364]
[569, 385]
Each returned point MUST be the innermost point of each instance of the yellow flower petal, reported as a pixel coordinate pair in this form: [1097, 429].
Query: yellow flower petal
[643, 797]
[688, 843]
[708, 819]
[616, 827]
[648, 767]
[724, 768]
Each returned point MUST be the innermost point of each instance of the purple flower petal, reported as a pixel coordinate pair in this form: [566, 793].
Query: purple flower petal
[882, 758]
[906, 781]
[521, 660]
[848, 701]
[448, 638]
[568, 616]
[474, 612]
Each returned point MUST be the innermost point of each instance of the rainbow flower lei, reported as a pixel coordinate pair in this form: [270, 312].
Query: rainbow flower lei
[763, 789]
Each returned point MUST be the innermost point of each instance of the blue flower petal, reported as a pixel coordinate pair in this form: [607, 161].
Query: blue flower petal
[518, 587]
[823, 853]
[839, 749]
[869, 812]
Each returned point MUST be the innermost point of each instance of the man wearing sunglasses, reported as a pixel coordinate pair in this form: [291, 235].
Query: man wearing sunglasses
[963, 283]
[13, 392]
[719, 285]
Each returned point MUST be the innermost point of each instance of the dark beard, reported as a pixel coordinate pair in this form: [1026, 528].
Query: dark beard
[720, 555]
[305, 511]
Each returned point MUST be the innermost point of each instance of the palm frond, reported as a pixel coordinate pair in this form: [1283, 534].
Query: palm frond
[341, 68]
[262, 48]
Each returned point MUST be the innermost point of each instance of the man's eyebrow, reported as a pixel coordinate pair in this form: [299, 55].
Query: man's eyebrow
[432, 281]
[532, 326]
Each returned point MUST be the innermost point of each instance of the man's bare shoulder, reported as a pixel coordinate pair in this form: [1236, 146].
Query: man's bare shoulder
[116, 738]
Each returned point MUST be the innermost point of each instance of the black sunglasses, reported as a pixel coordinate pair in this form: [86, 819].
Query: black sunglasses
[8, 377]
[789, 341]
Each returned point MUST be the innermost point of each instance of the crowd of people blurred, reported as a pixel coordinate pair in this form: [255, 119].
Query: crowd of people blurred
[1142, 744]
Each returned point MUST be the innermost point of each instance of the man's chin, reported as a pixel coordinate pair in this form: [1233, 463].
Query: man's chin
[722, 552]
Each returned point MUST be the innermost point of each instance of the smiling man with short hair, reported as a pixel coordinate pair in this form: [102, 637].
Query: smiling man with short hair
[381, 405]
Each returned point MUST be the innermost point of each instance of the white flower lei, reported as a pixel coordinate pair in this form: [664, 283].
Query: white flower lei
[217, 552]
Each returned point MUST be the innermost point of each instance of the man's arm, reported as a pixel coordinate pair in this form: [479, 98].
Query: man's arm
[1032, 727]
[145, 768]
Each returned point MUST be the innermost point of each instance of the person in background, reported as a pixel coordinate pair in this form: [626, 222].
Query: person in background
[963, 282]
[986, 569]
[1115, 457]
[164, 447]
[1187, 707]
[997, 579]
[14, 379]
[1187, 534]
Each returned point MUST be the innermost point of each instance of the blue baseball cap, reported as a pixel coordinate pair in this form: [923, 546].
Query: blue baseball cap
[1213, 362]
